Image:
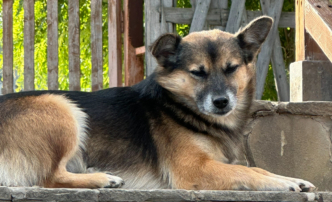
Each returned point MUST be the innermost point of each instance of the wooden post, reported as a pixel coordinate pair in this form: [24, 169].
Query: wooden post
[264, 56]
[74, 45]
[133, 38]
[278, 64]
[96, 45]
[166, 26]
[279, 72]
[153, 29]
[299, 31]
[29, 42]
[199, 19]
[7, 46]
[235, 16]
[114, 43]
[52, 44]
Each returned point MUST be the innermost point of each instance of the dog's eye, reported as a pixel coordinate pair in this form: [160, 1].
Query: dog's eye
[230, 69]
[198, 73]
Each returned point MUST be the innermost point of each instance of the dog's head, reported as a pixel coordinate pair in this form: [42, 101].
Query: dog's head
[210, 71]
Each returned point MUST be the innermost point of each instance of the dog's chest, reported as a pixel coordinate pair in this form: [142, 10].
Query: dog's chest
[142, 180]
[216, 150]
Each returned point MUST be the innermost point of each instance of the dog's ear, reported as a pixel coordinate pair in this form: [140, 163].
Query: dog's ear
[164, 49]
[253, 35]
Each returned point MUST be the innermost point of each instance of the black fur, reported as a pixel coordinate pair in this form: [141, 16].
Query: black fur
[212, 50]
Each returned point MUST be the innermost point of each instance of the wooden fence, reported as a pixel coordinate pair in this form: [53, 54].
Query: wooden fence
[129, 22]
[206, 14]
[160, 17]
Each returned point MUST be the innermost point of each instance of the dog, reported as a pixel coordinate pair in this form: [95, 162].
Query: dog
[180, 128]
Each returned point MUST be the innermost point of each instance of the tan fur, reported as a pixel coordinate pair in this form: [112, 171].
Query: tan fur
[196, 163]
[41, 134]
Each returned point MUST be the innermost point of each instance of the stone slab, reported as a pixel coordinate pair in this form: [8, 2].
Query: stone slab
[293, 139]
[158, 195]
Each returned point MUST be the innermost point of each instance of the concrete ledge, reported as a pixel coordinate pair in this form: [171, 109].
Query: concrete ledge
[41, 194]
[293, 139]
[310, 108]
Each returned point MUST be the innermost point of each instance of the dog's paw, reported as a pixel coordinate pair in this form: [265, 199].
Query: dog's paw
[114, 181]
[274, 184]
[304, 185]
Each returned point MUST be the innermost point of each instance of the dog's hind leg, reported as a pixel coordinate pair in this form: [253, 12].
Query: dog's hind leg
[61, 177]
[39, 136]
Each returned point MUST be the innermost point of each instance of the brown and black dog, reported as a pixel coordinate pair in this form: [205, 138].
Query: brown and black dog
[180, 128]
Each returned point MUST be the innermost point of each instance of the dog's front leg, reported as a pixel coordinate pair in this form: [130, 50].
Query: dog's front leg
[304, 185]
[210, 174]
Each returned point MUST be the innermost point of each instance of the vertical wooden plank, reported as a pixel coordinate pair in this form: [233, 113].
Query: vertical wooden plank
[235, 16]
[29, 40]
[244, 19]
[152, 31]
[133, 37]
[52, 44]
[199, 19]
[299, 31]
[74, 45]
[278, 64]
[264, 56]
[193, 7]
[114, 43]
[168, 27]
[7, 46]
[280, 76]
[96, 45]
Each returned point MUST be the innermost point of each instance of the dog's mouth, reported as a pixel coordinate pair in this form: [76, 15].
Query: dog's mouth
[216, 112]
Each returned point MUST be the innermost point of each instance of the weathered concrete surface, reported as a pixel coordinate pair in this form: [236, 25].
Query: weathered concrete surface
[40, 194]
[293, 139]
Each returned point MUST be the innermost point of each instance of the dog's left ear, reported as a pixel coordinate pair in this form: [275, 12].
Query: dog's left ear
[253, 35]
[164, 49]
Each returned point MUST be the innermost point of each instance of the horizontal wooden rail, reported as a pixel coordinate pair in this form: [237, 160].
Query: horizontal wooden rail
[218, 16]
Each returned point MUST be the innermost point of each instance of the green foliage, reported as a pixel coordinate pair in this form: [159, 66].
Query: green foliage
[183, 29]
[41, 44]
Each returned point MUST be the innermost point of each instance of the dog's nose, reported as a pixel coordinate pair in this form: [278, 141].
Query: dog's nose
[220, 102]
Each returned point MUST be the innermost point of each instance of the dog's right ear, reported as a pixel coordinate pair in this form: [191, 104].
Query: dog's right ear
[164, 49]
[253, 35]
